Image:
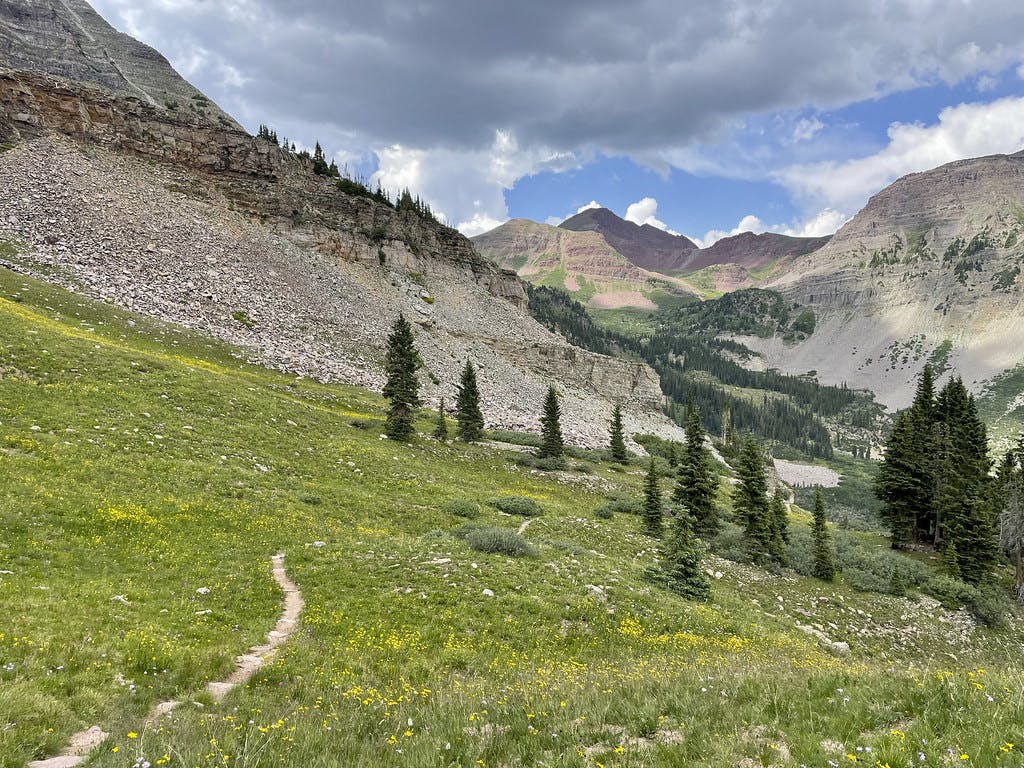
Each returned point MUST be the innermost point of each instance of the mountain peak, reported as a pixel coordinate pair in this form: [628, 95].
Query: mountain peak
[70, 40]
[644, 245]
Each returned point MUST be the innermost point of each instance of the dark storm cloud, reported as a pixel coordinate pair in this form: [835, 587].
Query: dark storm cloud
[613, 76]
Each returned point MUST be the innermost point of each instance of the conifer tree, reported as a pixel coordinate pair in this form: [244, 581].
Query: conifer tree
[951, 561]
[401, 388]
[964, 500]
[441, 430]
[1011, 519]
[680, 560]
[468, 417]
[552, 444]
[750, 500]
[824, 561]
[617, 442]
[652, 518]
[696, 480]
[779, 523]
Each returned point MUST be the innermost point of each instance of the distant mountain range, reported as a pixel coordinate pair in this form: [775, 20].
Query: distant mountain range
[608, 262]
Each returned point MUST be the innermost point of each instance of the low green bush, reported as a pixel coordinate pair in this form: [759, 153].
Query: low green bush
[462, 508]
[952, 593]
[500, 541]
[990, 605]
[516, 505]
[624, 504]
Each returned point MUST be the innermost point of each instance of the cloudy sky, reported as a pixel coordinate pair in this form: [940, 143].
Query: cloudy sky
[705, 118]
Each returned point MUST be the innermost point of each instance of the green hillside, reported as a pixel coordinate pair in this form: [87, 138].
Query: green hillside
[147, 475]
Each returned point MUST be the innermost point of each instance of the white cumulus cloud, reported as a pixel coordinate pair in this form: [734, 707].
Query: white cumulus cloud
[825, 222]
[644, 211]
[589, 206]
[966, 130]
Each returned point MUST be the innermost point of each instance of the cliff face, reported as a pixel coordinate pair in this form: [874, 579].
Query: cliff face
[70, 40]
[174, 216]
[929, 269]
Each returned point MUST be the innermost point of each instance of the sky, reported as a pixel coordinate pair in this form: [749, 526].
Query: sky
[704, 118]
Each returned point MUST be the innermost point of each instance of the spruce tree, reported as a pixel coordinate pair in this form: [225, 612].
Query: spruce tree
[401, 388]
[824, 561]
[441, 430]
[696, 479]
[617, 443]
[652, 520]
[1011, 519]
[779, 524]
[964, 502]
[550, 428]
[469, 421]
[951, 561]
[680, 560]
[750, 500]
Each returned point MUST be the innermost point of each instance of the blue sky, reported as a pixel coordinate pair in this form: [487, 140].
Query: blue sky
[734, 115]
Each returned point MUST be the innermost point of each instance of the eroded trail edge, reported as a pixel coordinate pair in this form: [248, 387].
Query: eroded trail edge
[83, 742]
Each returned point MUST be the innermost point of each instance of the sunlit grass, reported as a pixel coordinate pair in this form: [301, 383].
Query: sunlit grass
[147, 475]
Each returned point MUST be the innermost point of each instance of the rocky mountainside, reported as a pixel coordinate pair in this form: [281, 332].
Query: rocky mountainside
[928, 270]
[192, 220]
[754, 252]
[70, 40]
[581, 263]
[646, 246]
[579, 257]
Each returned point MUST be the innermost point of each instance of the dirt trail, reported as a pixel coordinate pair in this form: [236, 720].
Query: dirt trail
[84, 742]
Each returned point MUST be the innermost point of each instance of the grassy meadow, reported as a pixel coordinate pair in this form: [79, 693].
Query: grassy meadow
[147, 475]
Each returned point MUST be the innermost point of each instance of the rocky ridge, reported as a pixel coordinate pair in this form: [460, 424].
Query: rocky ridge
[208, 227]
[582, 263]
[646, 246]
[70, 40]
[929, 270]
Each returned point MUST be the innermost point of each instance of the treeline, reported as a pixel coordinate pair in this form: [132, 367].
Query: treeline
[678, 358]
[358, 186]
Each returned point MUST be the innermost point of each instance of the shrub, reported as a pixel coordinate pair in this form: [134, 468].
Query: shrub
[516, 505]
[624, 504]
[989, 605]
[498, 541]
[731, 543]
[462, 508]
[551, 463]
[514, 438]
[366, 424]
[952, 593]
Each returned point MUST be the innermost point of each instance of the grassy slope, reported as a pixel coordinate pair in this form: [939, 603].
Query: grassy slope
[142, 462]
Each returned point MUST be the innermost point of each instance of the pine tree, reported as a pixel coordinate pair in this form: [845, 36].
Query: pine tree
[964, 501]
[652, 516]
[617, 444]
[750, 500]
[907, 477]
[697, 481]
[550, 427]
[951, 561]
[401, 388]
[441, 430]
[824, 562]
[469, 421]
[779, 524]
[680, 560]
[1011, 519]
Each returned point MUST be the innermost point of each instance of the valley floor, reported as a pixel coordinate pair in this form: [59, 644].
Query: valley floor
[147, 476]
